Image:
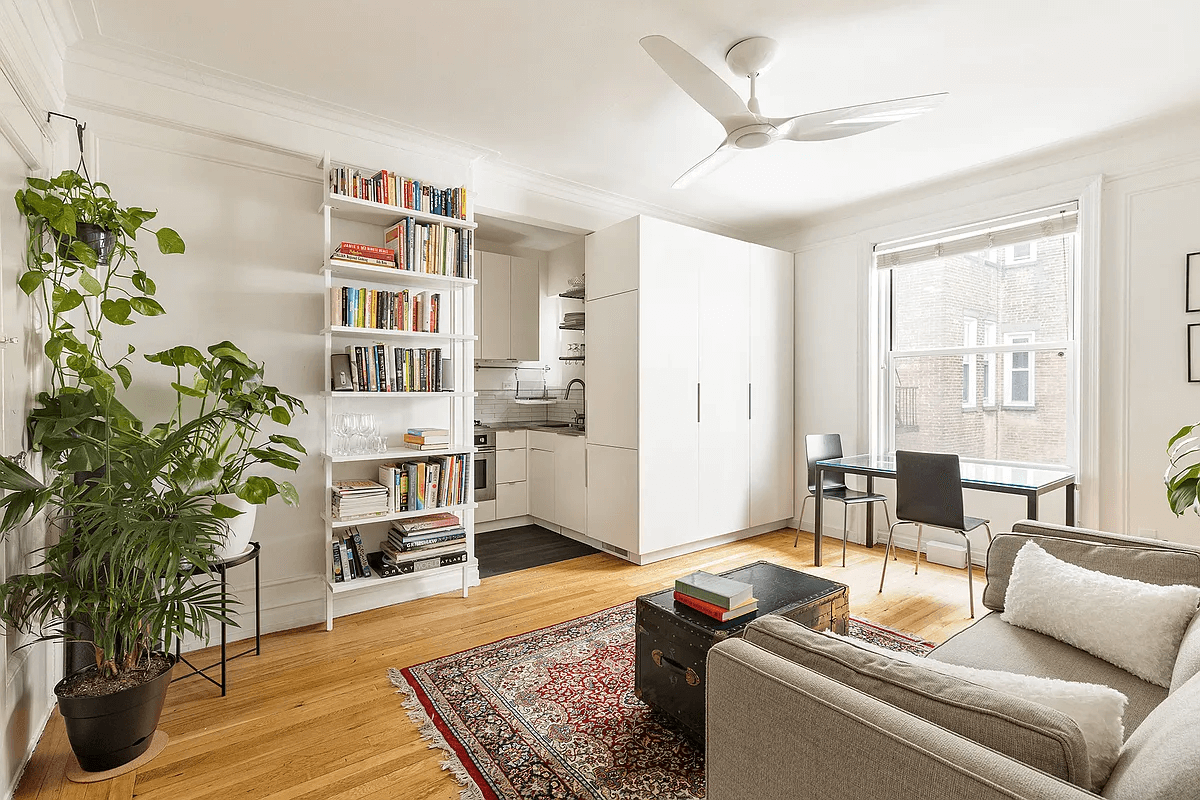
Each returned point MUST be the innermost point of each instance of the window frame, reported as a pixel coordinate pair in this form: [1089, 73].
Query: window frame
[989, 364]
[1009, 369]
[970, 339]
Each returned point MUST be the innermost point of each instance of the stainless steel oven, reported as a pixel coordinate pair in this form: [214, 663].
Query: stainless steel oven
[485, 464]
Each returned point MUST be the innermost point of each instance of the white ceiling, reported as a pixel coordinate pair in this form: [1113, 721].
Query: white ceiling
[563, 87]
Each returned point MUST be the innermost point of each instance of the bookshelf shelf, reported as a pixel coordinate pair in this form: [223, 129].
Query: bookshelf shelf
[563, 327]
[391, 277]
[400, 395]
[578, 359]
[453, 411]
[396, 454]
[374, 581]
[350, 523]
[373, 333]
[352, 208]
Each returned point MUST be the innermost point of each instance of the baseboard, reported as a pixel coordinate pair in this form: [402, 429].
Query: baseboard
[704, 544]
[903, 540]
[33, 743]
[390, 594]
[504, 524]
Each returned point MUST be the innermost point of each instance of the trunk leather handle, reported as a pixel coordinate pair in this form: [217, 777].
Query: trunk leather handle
[688, 673]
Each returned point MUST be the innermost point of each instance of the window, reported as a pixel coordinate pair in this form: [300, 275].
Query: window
[1021, 253]
[989, 366]
[970, 331]
[960, 341]
[1018, 372]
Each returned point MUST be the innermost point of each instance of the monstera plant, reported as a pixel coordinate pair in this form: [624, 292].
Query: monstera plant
[1183, 469]
[135, 506]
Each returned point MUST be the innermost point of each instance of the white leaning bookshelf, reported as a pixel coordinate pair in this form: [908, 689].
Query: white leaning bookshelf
[452, 408]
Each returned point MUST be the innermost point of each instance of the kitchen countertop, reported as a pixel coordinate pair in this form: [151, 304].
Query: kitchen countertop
[535, 426]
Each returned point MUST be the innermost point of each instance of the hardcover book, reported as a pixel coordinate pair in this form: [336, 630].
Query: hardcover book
[716, 612]
[714, 589]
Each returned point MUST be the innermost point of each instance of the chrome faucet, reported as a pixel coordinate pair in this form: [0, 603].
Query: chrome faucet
[572, 382]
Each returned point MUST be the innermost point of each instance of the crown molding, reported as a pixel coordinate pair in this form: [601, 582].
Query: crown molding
[33, 44]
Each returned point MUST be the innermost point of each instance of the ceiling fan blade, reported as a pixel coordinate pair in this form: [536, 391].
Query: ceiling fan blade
[715, 159]
[838, 123]
[712, 94]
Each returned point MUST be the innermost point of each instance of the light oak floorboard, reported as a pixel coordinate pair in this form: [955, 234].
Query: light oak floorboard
[315, 717]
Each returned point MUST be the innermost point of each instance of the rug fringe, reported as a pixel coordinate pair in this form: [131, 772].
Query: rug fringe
[430, 733]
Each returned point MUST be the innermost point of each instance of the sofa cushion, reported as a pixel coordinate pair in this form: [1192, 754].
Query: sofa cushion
[1136, 625]
[991, 643]
[1161, 760]
[1029, 732]
[1164, 566]
[1187, 662]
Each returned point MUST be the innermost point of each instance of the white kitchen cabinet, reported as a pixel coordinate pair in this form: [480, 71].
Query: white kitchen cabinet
[772, 416]
[509, 299]
[510, 466]
[570, 489]
[612, 496]
[511, 440]
[611, 367]
[541, 483]
[512, 500]
[670, 385]
[485, 511]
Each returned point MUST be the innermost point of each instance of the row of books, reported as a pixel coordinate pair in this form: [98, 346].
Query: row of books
[394, 190]
[382, 368]
[359, 307]
[432, 249]
[433, 482]
[350, 557]
[358, 498]
[715, 596]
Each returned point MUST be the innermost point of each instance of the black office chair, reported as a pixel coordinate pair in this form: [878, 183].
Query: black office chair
[822, 447]
[929, 492]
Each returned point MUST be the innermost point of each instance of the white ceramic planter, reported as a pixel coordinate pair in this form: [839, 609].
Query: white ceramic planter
[239, 529]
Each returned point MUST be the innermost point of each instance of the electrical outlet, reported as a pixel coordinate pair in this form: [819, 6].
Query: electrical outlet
[1148, 533]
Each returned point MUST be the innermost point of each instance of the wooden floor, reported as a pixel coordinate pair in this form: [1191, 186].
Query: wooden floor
[524, 547]
[315, 717]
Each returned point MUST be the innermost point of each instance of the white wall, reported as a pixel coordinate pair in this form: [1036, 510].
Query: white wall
[1134, 388]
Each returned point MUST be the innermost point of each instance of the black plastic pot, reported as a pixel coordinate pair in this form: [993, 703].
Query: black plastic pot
[95, 237]
[106, 732]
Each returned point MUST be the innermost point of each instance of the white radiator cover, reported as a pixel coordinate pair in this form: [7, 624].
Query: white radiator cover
[948, 553]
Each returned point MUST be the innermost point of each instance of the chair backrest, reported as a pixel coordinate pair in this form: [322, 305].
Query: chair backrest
[822, 447]
[929, 489]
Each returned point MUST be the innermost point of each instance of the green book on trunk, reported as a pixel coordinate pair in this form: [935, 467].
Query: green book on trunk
[714, 589]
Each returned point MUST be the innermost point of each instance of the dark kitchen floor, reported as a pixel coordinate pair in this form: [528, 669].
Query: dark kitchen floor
[520, 548]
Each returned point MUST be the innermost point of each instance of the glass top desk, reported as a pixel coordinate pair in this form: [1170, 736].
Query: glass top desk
[1032, 482]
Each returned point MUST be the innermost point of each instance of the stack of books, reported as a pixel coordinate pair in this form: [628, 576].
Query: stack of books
[427, 438]
[717, 597]
[359, 498]
[359, 307]
[349, 557]
[419, 484]
[424, 536]
[368, 254]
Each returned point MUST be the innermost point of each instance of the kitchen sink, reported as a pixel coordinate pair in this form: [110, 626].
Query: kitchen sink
[553, 425]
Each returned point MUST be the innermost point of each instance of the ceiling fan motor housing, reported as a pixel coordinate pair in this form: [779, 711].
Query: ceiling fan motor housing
[753, 137]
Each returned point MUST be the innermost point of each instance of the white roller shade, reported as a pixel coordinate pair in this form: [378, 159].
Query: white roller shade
[1040, 224]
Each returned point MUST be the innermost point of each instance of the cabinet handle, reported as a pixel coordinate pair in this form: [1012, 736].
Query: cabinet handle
[749, 401]
[697, 402]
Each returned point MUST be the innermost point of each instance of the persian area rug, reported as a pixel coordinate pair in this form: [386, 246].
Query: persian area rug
[551, 714]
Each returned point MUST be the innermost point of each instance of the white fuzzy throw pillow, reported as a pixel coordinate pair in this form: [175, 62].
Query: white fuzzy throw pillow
[1137, 626]
[1097, 710]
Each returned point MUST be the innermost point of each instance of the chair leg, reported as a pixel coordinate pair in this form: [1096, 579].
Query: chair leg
[887, 515]
[988, 528]
[845, 529]
[799, 522]
[888, 549]
[920, 530]
[970, 576]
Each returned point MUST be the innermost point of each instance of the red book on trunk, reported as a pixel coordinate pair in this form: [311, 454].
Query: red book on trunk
[716, 612]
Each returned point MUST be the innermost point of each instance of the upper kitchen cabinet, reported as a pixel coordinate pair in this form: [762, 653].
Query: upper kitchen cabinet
[509, 299]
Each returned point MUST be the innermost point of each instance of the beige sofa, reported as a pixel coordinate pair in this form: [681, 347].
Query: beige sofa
[791, 715]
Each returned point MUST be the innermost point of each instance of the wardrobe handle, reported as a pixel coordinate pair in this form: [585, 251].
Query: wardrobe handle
[697, 402]
[749, 401]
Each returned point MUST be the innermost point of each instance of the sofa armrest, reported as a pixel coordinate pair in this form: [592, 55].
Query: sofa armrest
[779, 730]
[1097, 537]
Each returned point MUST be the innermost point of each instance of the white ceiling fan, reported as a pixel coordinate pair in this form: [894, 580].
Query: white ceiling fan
[745, 126]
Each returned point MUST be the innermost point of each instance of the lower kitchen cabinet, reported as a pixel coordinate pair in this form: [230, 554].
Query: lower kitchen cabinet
[612, 495]
[570, 483]
[541, 484]
[512, 500]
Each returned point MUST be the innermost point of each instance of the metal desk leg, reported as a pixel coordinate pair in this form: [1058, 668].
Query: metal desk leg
[1031, 501]
[870, 533]
[1070, 489]
[820, 498]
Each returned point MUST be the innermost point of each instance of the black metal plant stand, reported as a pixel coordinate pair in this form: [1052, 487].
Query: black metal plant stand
[223, 568]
